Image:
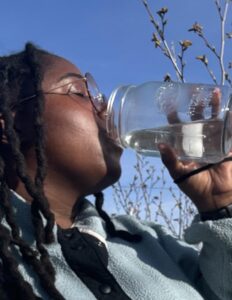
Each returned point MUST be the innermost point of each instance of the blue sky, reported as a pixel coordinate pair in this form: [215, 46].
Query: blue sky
[110, 38]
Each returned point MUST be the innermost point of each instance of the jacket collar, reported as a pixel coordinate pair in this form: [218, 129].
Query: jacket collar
[87, 218]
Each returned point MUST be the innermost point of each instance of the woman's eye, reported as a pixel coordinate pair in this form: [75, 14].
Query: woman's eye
[78, 94]
[73, 90]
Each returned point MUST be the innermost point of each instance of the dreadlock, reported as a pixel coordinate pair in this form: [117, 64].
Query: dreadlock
[19, 74]
[125, 235]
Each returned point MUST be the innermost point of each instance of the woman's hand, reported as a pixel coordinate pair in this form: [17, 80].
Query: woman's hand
[210, 189]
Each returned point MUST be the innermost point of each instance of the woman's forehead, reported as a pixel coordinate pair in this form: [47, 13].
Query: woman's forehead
[58, 71]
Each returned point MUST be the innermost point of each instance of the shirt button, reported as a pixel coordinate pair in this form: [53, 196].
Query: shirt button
[80, 247]
[68, 234]
[105, 289]
[100, 244]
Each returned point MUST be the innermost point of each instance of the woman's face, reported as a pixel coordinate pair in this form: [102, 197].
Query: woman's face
[77, 145]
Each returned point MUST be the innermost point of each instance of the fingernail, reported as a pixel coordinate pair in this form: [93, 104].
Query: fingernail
[216, 90]
[161, 148]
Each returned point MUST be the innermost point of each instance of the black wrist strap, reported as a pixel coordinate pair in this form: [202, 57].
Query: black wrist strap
[203, 168]
[221, 213]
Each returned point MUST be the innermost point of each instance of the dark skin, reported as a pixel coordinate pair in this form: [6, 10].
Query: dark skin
[82, 160]
[208, 190]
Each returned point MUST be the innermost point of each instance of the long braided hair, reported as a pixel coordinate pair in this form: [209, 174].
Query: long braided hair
[21, 75]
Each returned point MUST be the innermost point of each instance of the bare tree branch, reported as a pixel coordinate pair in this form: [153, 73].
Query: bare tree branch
[223, 19]
[166, 48]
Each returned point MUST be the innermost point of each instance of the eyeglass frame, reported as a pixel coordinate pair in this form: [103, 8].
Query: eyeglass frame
[100, 98]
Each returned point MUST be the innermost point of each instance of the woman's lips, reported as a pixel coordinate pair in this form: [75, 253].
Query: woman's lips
[111, 135]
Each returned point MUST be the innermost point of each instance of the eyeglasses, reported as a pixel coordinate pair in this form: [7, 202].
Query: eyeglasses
[93, 93]
[97, 98]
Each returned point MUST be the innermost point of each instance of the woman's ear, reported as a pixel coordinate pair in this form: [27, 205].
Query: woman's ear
[3, 137]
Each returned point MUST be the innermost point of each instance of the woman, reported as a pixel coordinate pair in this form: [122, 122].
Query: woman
[54, 243]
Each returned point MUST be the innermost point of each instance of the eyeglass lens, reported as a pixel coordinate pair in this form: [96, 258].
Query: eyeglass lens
[99, 100]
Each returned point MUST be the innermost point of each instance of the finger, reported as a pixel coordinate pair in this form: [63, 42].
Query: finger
[197, 111]
[170, 160]
[215, 102]
[175, 167]
[173, 117]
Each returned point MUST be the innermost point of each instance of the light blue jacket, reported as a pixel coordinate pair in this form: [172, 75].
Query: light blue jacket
[158, 268]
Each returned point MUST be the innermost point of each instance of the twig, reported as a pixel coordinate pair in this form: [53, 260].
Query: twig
[222, 50]
[184, 46]
[204, 60]
[166, 48]
[197, 28]
[219, 9]
[139, 168]
[212, 48]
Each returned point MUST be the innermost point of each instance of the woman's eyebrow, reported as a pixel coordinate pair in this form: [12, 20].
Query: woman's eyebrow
[70, 75]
